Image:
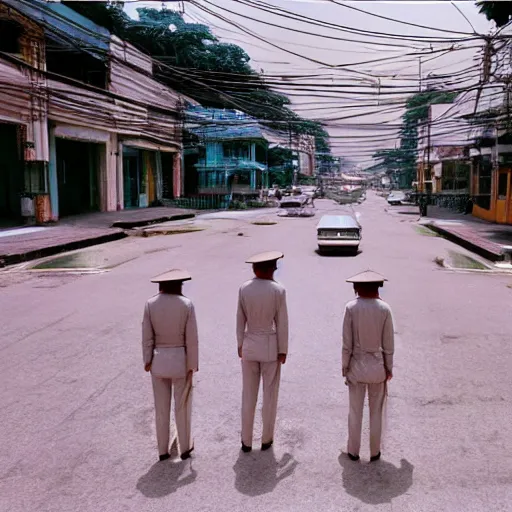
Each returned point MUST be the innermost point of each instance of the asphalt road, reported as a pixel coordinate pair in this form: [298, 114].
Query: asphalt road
[76, 406]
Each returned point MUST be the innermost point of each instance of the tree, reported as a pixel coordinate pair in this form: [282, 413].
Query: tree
[280, 166]
[499, 12]
[194, 62]
[403, 159]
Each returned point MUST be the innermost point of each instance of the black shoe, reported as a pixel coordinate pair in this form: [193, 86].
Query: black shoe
[266, 446]
[375, 457]
[245, 448]
[186, 455]
[165, 456]
[353, 457]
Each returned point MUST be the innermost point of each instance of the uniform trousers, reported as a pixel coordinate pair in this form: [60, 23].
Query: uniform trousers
[376, 397]
[162, 390]
[252, 371]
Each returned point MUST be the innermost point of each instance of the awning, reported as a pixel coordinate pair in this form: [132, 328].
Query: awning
[150, 146]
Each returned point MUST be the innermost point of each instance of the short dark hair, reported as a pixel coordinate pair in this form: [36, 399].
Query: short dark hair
[265, 266]
[368, 287]
[170, 287]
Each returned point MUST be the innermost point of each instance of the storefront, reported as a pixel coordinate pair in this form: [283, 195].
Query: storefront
[140, 176]
[11, 175]
[78, 175]
[149, 175]
[493, 188]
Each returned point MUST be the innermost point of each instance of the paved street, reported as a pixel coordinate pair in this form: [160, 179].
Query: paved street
[77, 423]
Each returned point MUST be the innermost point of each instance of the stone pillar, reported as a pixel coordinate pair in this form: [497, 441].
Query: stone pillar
[176, 175]
[52, 176]
[108, 174]
[119, 177]
[183, 177]
[159, 185]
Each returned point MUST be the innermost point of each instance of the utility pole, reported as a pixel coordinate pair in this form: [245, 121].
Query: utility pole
[496, 160]
[429, 118]
[420, 72]
[294, 182]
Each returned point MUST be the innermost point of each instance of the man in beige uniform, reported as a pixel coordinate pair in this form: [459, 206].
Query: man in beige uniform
[262, 336]
[368, 347]
[169, 324]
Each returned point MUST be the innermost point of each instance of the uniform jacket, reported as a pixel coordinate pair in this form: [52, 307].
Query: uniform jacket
[170, 321]
[262, 320]
[368, 340]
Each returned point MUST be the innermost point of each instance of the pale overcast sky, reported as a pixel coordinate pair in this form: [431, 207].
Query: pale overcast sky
[358, 118]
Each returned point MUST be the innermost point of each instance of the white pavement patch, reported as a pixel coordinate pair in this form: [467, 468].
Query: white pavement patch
[21, 231]
[236, 214]
[448, 222]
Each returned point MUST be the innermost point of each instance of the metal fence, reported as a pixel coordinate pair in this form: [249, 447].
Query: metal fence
[215, 202]
[204, 202]
[455, 202]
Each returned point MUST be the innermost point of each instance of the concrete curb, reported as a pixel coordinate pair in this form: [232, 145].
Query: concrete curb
[12, 259]
[139, 223]
[467, 244]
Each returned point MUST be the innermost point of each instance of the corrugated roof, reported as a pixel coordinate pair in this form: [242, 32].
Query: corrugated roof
[222, 124]
[215, 124]
[219, 132]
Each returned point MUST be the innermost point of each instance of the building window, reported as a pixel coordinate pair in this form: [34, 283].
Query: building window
[10, 33]
[239, 150]
[502, 186]
[78, 65]
[485, 176]
[455, 176]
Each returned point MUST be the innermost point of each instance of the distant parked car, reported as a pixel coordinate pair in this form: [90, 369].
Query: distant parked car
[396, 198]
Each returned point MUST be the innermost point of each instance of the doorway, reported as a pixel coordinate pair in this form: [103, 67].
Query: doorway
[77, 176]
[133, 179]
[504, 197]
[167, 175]
[11, 175]
[191, 175]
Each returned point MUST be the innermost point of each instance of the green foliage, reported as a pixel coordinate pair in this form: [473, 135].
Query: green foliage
[279, 157]
[417, 105]
[499, 12]
[195, 63]
[403, 159]
[280, 166]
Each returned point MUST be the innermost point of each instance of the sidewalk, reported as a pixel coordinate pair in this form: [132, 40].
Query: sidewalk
[128, 219]
[24, 244]
[491, 241]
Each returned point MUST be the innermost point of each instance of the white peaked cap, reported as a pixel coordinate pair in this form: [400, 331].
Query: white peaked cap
[172, 275]
[369, 276]
[265, 256]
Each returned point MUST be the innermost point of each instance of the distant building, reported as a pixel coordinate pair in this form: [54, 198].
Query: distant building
[227, 152]
[443, 150]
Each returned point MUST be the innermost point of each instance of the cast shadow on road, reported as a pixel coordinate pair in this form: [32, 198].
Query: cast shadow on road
[259, 473]
[377, 482]
[339, 253]
[164, 478]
